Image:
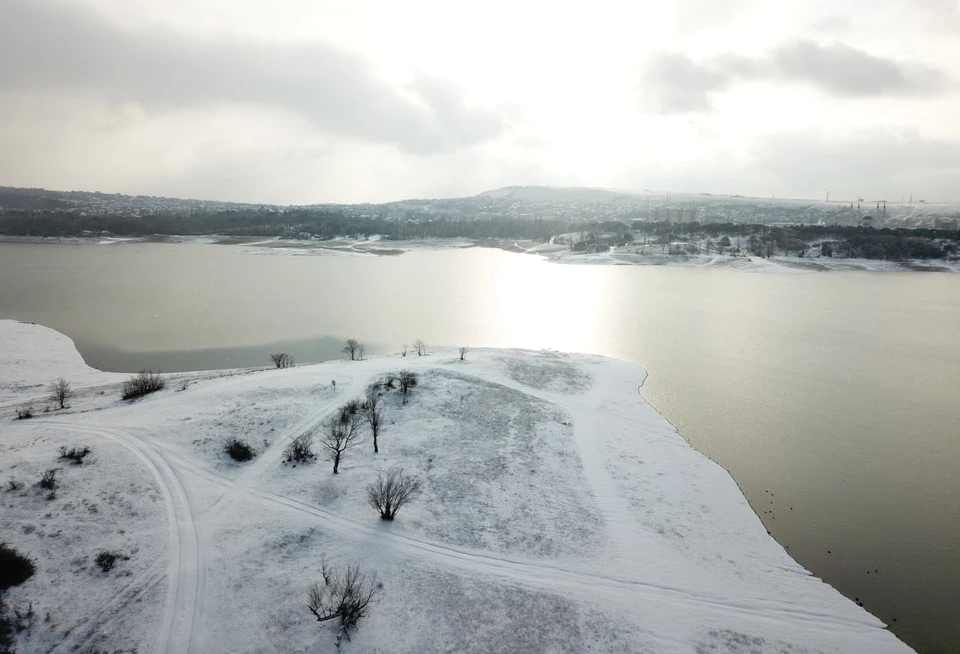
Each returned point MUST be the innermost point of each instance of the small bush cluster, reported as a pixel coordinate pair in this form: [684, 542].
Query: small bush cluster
[300, 449]
[238, 450]
[143, 383]
[282, 360]
[106, 560]
[75, 454]
[48, 479]
[25, 413]
[403, 381]
[15, 568]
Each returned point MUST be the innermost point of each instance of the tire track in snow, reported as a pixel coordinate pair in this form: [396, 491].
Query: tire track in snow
[626, 592]
[273, 454]
[92, 625]
[184, 572]
[537, 574]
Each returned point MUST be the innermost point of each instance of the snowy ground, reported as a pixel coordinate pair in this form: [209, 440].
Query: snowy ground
[632, 255]
[622, 256]
[560, 512]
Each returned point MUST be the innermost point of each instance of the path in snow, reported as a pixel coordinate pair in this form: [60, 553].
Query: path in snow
[182, 481]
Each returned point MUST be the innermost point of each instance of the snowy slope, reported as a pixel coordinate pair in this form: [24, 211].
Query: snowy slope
[560, 512]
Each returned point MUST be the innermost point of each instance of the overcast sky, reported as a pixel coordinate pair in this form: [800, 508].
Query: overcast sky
[300, 101]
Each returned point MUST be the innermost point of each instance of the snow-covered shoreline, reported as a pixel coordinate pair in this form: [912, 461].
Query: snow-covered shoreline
[618, 256]
[561, 512]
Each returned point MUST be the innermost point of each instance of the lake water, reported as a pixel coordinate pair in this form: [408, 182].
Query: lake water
[832, 398]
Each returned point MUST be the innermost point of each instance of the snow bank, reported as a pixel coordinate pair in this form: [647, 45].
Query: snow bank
[560, 512]
[31, 357]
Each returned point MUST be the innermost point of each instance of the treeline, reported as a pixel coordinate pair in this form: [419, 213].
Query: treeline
[759, 240]
[852, 242]
[323, 224]
[806, 232]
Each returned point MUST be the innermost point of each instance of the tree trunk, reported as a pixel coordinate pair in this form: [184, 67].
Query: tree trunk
[336, 462]
[375, 448]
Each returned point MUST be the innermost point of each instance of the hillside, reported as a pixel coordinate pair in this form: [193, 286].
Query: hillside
[559, 512]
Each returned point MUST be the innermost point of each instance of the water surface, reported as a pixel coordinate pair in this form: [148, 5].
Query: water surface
[832, 398]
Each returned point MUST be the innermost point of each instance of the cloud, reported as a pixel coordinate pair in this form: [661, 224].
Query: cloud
[832, 24]
[868, 163]
[936, 15]
[674, 83]
[51, 47]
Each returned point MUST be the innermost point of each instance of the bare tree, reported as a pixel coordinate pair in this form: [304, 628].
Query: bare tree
[344, 596]
[463, 352]
[390, 493]
[420, 347]
[407, 381]
[60, 392]
[403, 350]
[340, 433]
[352, 347]
[361, 350]
[282, 360]
[373, 412]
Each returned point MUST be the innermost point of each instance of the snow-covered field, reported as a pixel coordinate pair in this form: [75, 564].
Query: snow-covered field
[559, 512]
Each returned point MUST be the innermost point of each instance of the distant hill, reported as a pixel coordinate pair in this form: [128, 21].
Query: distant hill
[581, 204]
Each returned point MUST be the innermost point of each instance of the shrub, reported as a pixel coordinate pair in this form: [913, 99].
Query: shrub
[48, 479]
[407, 380]
[106, 560]
[344, 597]
[25, 413]
[282, 360]
[143, 383]
[238, 450]
[420, 347]
[390, 493]
[10, 626]
[75, 454]
[15, 568]
[349, 410]
[14, 485]
[300, 449]
[463, 352]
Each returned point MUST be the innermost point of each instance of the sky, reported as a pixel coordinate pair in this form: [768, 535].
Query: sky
[308, 101]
